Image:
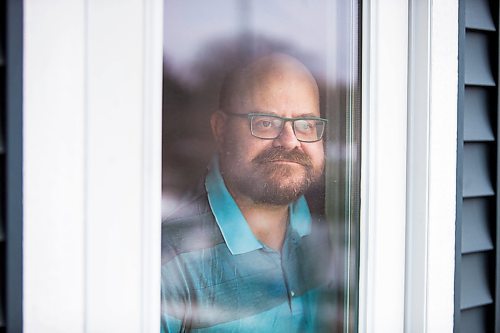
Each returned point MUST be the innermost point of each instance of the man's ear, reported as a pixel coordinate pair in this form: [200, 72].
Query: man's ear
[218, 124]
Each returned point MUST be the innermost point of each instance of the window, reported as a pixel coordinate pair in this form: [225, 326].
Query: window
[208, 48]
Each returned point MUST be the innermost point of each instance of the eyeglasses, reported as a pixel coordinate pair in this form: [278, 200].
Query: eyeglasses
[269, 127]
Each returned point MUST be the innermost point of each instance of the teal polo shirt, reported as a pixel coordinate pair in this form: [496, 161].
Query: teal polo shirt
[218, 277]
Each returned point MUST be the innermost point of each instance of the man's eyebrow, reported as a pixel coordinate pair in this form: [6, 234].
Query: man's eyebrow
[272, 113]
[309, 114]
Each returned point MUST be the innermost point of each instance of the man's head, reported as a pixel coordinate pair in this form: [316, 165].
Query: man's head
[278, 168]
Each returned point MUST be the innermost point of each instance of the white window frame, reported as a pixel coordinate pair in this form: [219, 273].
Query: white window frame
[410, 76]
[383, 165]
[92, 158]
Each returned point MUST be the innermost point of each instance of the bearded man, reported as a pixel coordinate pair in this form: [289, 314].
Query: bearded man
[245, 254]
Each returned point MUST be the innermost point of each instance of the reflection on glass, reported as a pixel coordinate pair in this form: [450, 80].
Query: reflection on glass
[260, 167]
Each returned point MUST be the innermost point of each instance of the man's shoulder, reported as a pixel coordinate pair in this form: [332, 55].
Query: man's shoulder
[193, 214]
[191, 206]
[190, 227]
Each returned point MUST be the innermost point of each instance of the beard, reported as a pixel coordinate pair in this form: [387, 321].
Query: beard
[267, 180]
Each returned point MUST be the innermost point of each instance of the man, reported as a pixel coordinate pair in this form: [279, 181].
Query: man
[245, 255]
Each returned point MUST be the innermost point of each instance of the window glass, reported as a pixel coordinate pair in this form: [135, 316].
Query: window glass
[261, 147]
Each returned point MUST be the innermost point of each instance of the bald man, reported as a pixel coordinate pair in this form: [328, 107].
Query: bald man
[245, 254]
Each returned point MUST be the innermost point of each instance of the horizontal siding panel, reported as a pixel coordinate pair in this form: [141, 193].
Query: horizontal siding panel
[478, 69]
[476, 230]
[475, 287]
[477, 114]
[477, 179]
[478, 15]
[476, 320]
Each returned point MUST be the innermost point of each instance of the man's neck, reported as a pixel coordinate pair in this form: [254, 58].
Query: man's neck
[267, 222]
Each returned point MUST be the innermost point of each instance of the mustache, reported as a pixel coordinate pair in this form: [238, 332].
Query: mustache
[281, 154]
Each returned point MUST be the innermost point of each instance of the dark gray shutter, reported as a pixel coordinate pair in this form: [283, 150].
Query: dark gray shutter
[3, 79]
[476, 277]
[11, 59]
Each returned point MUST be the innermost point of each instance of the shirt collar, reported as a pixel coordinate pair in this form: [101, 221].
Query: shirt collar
[233, 226]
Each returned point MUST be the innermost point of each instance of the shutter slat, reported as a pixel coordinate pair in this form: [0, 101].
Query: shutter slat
[476, 320]
[477, 115]
[478, 69]
[476, 231]
[478, 15]
[477, 180]
[475, 288]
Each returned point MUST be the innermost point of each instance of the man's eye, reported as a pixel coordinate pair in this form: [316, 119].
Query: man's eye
[264, 123]
[304, 125]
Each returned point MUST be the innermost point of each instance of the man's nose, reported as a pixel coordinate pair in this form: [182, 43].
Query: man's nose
[287, 138]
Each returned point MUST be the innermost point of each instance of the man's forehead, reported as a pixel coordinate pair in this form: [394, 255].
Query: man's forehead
[276, 67]
[277, 75]
[273, 74]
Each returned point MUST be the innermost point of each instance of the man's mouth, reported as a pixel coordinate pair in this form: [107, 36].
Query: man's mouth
[284, 162]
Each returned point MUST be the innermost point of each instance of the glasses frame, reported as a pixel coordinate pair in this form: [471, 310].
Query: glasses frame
[250, 116]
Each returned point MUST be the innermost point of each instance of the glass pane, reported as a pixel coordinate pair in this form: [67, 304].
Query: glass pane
[260, 231]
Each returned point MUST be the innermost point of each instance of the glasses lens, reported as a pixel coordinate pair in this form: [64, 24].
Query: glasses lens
[309, 130]
[266, 127]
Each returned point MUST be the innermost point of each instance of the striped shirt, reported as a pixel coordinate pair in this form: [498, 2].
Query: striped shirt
[218, 277]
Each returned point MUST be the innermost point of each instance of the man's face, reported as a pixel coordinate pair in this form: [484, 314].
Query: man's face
[280, 170]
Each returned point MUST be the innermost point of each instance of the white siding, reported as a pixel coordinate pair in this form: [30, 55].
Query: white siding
[92, 159]
[54, 224]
